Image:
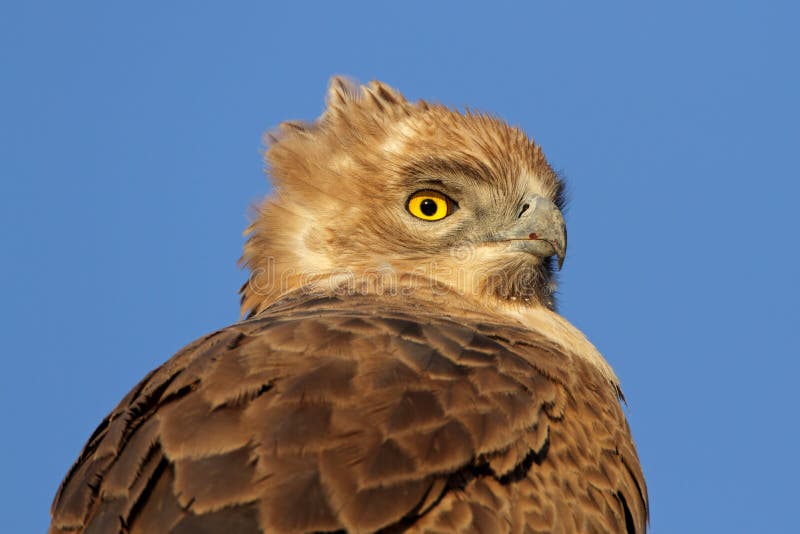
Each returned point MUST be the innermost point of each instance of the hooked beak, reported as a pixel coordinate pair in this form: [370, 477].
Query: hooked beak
[539, 229]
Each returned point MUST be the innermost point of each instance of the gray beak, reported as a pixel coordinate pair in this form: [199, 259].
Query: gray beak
[539, 229]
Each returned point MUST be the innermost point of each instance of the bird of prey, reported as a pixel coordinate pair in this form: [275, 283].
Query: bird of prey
[400, 367]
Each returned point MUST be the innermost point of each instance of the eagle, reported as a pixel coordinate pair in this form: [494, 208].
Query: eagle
[400, 366]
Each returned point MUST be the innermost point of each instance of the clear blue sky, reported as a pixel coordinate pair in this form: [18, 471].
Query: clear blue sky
[129, 153]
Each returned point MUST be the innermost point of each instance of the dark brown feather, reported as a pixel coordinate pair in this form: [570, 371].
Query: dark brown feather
[348, 413]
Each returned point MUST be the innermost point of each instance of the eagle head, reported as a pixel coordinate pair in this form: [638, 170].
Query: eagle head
[379, 188]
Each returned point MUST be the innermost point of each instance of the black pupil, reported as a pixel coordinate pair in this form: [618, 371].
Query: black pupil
[428, 207]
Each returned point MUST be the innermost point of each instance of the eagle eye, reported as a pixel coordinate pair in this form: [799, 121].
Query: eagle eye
[430, 205]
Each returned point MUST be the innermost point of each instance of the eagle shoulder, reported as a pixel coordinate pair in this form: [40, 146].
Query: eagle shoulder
[354, 413]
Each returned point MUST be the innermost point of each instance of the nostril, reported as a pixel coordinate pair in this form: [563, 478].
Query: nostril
[523, 210]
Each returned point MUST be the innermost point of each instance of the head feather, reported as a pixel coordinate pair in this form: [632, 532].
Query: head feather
[334, 179]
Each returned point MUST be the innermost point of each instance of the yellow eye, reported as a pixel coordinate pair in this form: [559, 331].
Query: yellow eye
[429, 205]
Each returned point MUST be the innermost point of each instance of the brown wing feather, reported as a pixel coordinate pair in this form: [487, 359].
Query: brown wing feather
[326, 414]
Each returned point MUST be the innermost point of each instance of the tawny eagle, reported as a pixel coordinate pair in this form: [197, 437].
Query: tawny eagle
[401, 366]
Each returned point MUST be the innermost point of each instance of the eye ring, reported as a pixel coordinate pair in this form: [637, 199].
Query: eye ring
[430, 205]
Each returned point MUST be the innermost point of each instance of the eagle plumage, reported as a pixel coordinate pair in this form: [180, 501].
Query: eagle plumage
[401, 367]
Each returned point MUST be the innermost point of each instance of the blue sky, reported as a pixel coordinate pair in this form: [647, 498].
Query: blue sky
[129, 154]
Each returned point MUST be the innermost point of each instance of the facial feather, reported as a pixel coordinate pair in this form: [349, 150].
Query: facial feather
[341, 189]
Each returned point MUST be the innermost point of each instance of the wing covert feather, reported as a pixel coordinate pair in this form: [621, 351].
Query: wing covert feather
[323, 414]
